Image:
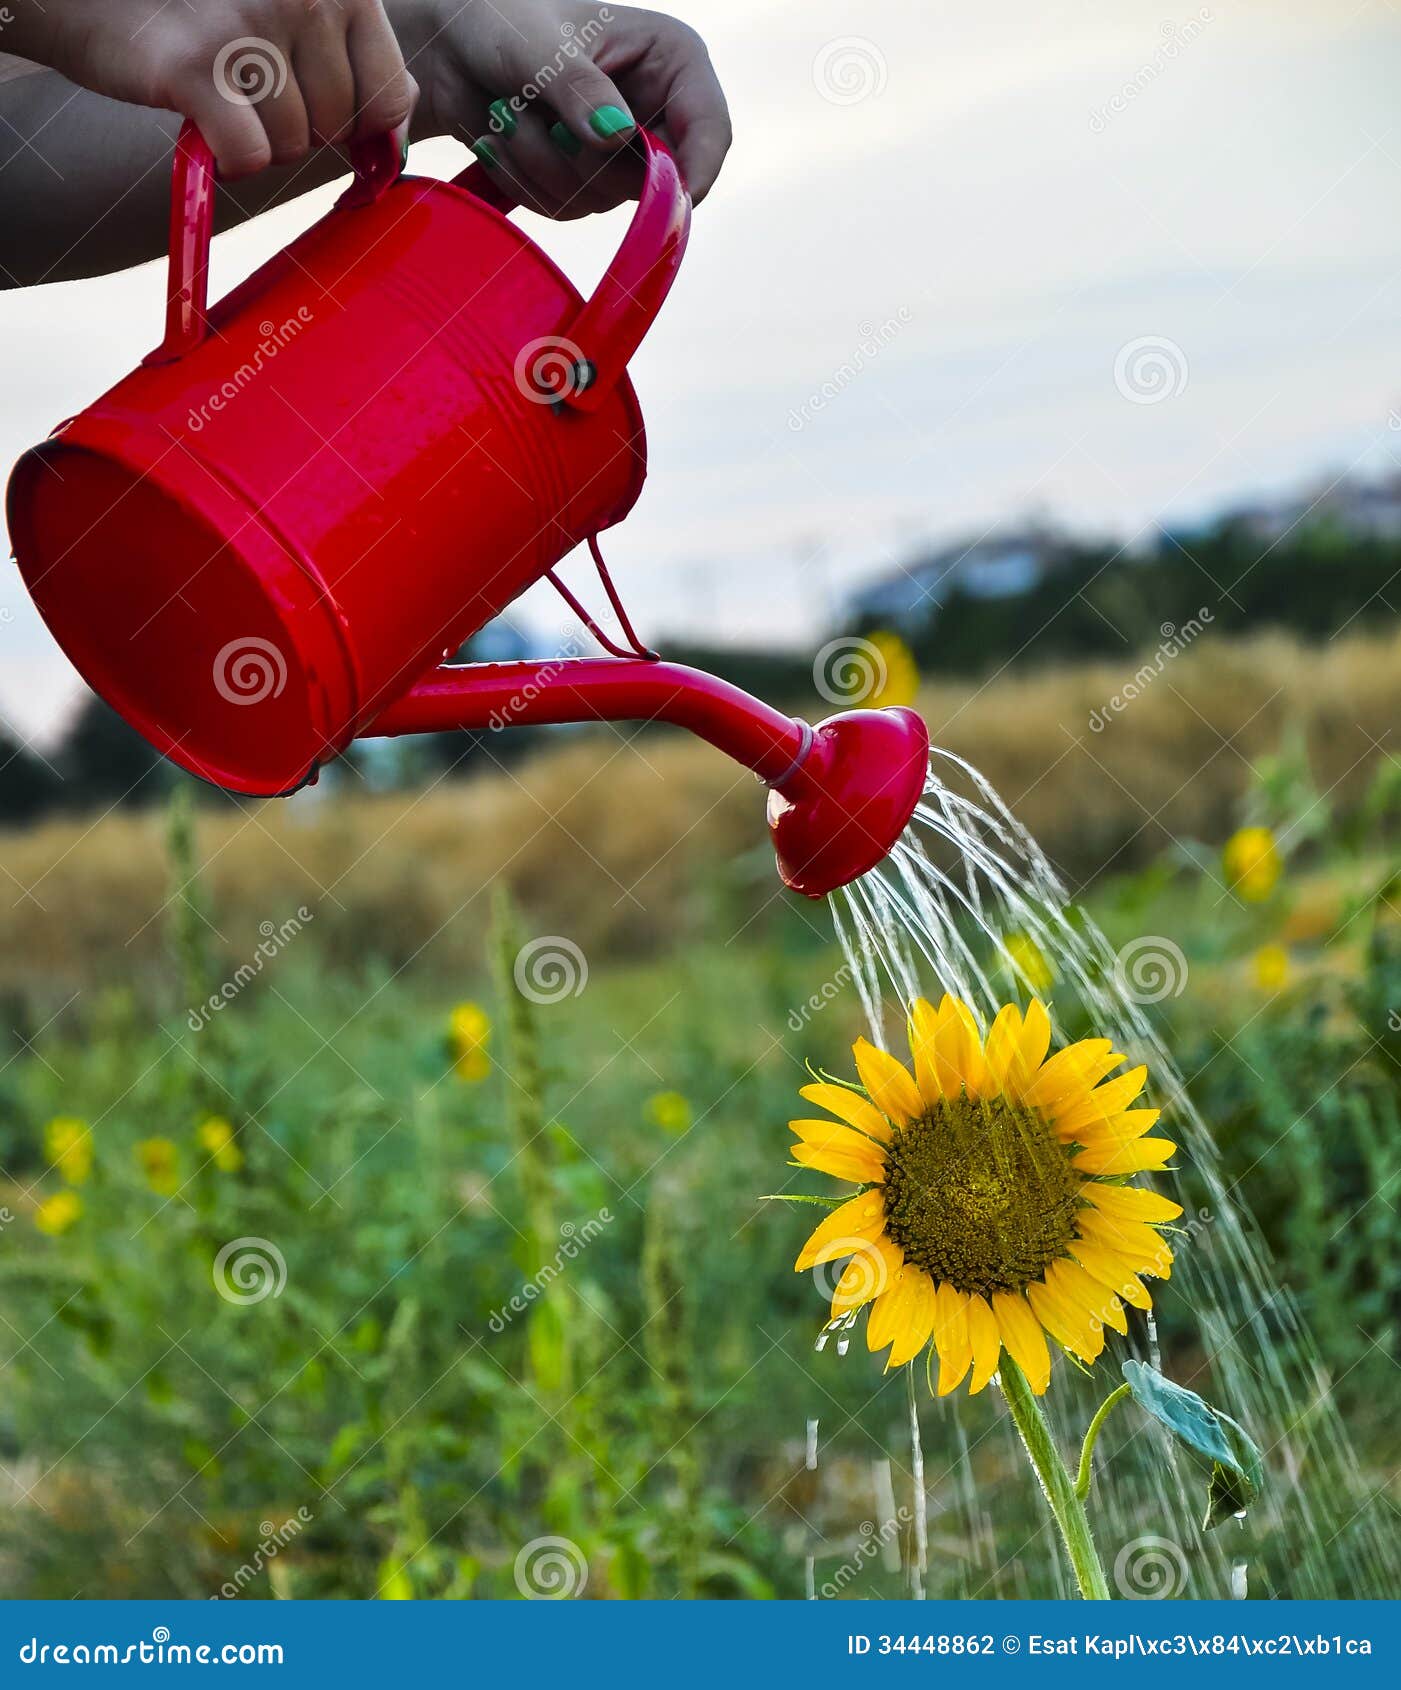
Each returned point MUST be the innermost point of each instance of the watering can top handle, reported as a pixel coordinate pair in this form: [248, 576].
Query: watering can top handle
[377, 163]
[596, 346]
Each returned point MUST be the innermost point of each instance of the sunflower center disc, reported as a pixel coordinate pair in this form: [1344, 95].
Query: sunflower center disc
[980, 1195]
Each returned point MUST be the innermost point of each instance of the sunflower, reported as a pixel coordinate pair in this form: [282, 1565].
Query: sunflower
[993, 1208]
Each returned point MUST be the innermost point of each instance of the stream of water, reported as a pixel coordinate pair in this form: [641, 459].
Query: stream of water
[936, 916]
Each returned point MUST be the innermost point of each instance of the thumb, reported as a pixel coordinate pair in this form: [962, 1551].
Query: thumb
[590, 104]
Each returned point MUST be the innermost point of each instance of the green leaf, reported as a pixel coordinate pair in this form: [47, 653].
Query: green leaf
[794, 1197]
[1237, 1474]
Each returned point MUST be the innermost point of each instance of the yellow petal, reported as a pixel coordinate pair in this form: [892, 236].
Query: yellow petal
[1003, 1046]
[959, 1050]
[1070, 1326]
[1031, 1052]
[868, 1273]
[891, 1089]
[924, 1022]
[985, 1340]
[887, 1317]
[1071, 1072]
[1132, 1203]
[1142, 1156]
[917, 1311]
[848, 1106]
[1102, 1102]
[1138, 1245]
[1087, 1293]
[1111, 1270]
[1118, 1130]
[1021, 1333]
[855, 1170]
[838, 1234]
[951, 1337]
[826, 1140]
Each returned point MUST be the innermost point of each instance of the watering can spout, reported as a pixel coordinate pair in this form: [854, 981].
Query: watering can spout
[840, 793]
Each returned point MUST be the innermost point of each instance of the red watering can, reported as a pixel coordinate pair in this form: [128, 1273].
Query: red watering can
[259, 544]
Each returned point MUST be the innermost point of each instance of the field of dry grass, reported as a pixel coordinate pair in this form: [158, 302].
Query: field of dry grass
[627, 845]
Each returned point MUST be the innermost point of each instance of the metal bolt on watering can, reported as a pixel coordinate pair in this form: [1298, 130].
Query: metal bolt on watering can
[262, 542]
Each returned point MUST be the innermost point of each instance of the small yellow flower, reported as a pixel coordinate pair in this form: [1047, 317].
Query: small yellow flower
[68, 1146]
[896, 680]
[1252, 863]
[669, 1111]
[469, 1029]
[1029, 961]
[57, 1213]
[159, 1161]
[217, 1137]
[1270, 966]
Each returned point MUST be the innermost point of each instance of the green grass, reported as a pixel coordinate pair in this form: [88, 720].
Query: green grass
[404, 1436]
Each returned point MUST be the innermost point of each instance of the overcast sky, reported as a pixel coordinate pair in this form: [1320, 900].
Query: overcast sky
[945, 217]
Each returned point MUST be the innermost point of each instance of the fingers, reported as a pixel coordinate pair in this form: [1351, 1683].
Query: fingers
[321, 65]
[697, 117]
[519, 151]
[591, 106]
[384, 91]
[231, 126]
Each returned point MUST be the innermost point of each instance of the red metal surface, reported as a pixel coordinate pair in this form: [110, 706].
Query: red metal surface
[340, 471]
[841, 794]
[258, 544]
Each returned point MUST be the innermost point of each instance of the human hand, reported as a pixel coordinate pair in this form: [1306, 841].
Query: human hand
[548, 92]
[265, 80]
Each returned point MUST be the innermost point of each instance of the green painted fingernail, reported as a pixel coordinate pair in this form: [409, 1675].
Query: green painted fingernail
[503, 119]
[486, 153]
[566, 140]
[608, 121]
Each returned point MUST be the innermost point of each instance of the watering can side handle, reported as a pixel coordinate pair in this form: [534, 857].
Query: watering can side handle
[601, 340]
[377, 163]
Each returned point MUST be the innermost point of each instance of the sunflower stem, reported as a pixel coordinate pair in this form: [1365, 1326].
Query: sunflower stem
[920, 1563]
[1065, 1505]
[1085, 1476]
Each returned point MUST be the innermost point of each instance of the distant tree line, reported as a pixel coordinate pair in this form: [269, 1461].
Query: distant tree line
[1095, 603]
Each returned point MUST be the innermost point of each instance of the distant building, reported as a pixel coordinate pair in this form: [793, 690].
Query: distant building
[997, 566]
[1365, 509]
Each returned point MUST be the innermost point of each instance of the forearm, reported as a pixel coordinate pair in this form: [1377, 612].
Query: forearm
[85, 181]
